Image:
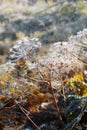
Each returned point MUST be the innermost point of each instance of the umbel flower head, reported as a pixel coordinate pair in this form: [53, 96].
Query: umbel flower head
[24, 49]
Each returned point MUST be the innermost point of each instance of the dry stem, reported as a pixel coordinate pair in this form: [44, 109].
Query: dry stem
[55, 102]
[26, 115]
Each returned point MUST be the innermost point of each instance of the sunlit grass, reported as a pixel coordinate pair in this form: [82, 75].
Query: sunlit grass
[82, 7]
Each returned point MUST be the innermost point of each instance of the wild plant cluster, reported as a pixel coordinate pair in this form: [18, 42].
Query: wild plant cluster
[36, 75]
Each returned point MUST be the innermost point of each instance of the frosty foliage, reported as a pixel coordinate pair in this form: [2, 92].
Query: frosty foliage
[25, 49]
[59, 63]
[68, 54]
[78, 45]
[6, 68]
[62, 56]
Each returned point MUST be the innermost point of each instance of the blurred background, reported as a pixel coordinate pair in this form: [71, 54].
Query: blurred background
[49, 20]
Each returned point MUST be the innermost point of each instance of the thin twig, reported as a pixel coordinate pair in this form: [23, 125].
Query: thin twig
[34, 79]
[26, 115]
[77, 57]
[62, 83]
[47, 80]
[9, 101]
[55, 102]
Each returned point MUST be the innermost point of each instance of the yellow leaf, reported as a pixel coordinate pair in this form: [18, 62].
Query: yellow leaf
[4, 79]
[73, 84]
[78, 77]
[85, 92]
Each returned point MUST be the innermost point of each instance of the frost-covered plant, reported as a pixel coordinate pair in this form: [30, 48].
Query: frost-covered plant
[25, 49]
[37, 79]
[78, 45]
[60, 62]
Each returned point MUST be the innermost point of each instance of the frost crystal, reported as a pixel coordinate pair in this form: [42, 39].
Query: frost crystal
[25, 49]
[60, 53]
[60, 62]
[78, 45]
[67, 55]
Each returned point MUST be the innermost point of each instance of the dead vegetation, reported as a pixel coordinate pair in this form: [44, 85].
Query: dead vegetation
[47, 91]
